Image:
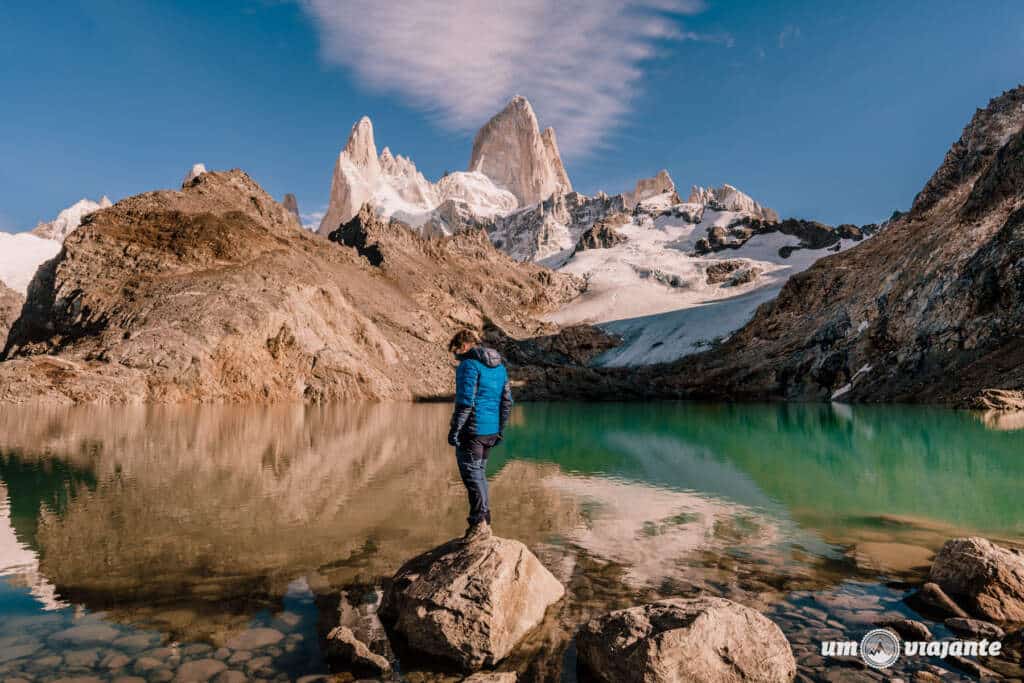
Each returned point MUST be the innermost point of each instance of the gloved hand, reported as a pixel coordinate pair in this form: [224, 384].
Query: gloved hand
[501, 437]
[453, 439]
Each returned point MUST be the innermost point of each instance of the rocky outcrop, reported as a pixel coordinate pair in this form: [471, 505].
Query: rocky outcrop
[292, 205]
[511, 150]
[651, 187]
[929, 309]
[215, 294]
[986, 578]
[553, 227]
[69, 219]
[602, 235]
[10, 308]
[469, 603]
[812, 235]
[193, 173]
[701, 639]
[728, 198]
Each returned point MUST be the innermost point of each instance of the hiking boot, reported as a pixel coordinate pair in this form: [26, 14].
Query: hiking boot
[477, 532]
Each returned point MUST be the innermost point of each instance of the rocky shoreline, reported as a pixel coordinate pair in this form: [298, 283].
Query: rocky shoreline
[477, 612]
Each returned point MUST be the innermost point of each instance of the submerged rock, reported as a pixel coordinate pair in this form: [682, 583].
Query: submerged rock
[974, 628]
[255, 638]
[700, 639]
[908, 629]
[470, 603]
[988, 577]
[933, 599]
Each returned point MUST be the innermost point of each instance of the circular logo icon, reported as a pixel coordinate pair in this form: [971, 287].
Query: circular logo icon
[880, 648]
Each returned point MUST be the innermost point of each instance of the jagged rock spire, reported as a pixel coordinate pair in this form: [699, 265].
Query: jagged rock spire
[511, 150]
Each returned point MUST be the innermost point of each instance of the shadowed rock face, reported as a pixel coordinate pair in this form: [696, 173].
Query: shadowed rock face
[215, 293]
[930, 309]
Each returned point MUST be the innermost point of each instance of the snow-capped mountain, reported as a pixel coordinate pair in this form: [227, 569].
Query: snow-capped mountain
[69, 219]
[669, 276]
[665, 298]
[395, 187]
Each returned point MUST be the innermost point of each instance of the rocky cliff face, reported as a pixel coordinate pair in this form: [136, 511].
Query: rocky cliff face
[930, 309]
[511, 150]
[214, 293]
[10, 308]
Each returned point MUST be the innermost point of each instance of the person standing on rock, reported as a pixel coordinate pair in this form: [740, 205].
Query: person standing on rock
[483, 402]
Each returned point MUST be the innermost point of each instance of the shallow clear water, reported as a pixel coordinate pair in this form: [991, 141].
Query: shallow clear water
[171, 533]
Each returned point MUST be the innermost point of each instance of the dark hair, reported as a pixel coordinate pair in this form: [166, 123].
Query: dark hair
[461, 338]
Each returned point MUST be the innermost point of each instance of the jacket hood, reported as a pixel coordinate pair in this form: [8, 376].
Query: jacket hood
[488, 357]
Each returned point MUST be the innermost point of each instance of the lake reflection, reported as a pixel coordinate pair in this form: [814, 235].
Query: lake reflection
[191, 525]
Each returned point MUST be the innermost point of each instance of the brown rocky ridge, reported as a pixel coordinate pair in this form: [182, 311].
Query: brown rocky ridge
[215, 293]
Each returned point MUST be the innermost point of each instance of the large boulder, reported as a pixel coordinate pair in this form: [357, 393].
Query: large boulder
[987, 579]
[701, 639]
[469, 603]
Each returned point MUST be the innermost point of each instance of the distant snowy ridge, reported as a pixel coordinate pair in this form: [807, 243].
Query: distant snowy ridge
[69, 219]
[22, 253]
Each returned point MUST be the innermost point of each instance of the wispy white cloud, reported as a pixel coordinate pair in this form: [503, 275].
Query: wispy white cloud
[311, 221]
[580, 62]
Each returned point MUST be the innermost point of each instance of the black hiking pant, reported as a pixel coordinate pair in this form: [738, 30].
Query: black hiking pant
[471, 456]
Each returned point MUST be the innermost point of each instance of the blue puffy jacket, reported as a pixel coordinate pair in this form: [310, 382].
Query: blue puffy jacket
[483, 399]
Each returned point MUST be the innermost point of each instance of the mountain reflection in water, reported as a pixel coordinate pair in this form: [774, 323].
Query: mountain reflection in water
[191, 523]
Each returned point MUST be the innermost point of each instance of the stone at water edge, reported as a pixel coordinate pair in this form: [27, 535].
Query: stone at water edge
[470, 604]
[933, 598]
[344, 647]
[701, 639]
[988, 577]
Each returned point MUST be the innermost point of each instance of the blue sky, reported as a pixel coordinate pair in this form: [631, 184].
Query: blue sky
[835, 111]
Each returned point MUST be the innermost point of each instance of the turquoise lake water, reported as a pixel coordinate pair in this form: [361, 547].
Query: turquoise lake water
[171, 533]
